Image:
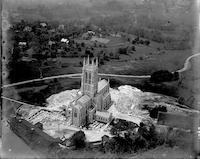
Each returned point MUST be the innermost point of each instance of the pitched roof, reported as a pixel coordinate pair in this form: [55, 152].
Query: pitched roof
[102, 84]
[78, 106]
[84, 99]
[103, 114]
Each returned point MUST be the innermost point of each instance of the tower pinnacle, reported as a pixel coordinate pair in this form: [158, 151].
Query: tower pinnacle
[88, 60]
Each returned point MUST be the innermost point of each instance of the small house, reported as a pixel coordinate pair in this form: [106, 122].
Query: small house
[27, 29]
[63, 40]
[22, 43]
[43, 24]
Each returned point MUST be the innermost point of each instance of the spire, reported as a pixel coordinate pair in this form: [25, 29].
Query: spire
[96, 61]
[88, 60]
[84, 61]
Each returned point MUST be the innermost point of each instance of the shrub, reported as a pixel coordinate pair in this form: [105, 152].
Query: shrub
[78, 140]
[154, 111]
[122, 50]
[133, 48]
[161, 76]
[141, 58]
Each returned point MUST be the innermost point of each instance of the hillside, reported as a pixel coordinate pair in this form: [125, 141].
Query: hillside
[188, 85]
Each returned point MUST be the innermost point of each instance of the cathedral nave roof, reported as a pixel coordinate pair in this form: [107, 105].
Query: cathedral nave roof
[102, 84]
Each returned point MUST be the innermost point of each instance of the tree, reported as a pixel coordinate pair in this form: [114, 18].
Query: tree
[101, 61]
[133, 42]
[147, 42]
[81, 63]
[114, 131]
[122, 50]
[181, 100]
[154, 111]
[78, 140]
[161, 76]
[38, 98]
[133, 48]
[82, 44]
[176, 75]
[141, 58]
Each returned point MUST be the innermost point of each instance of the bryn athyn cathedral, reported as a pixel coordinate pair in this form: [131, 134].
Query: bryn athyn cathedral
[94, 100]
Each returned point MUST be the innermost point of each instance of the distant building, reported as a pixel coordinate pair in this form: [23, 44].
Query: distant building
[22, 43]
[91, 32]
[32, 134]
[52, 30]
[43, 24]
[50, 43]
[95, 96]
[61, 27]
[28, 29]
[117, 35]
[88, 35]
[63, 40]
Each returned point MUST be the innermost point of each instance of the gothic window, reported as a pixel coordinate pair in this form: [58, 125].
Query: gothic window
[86, 77]
[89, 78]
[75, 114]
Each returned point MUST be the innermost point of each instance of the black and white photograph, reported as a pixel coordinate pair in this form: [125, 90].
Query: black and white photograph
[102, 79]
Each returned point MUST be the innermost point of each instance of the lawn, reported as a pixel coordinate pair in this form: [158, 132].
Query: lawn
[144, 61]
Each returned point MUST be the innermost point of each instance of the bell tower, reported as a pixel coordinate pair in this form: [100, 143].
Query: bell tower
[89, 83]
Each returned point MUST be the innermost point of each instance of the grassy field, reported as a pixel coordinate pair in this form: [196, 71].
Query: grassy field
[144, 61]
[152, 60]
[188, 86]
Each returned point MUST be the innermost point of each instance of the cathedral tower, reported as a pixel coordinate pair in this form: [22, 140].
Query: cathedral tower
[89, 83]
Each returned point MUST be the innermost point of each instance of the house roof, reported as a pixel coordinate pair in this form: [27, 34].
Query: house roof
[103, 114]
[102, 84]
[64, 40]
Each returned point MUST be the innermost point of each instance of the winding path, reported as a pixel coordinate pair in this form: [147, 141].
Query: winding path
[41, 79]
[187, 63]
[78, 75]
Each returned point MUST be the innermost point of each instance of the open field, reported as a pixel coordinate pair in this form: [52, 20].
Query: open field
[144, 61]
[188, 86]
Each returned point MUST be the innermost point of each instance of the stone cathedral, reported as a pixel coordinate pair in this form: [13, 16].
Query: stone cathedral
[94, 100]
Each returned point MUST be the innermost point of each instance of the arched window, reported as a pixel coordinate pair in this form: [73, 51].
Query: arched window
[89, 78]
[75, 114]
[86, 77]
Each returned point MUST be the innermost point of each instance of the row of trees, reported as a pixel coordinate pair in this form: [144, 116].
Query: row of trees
[145, 138]
[164, 76]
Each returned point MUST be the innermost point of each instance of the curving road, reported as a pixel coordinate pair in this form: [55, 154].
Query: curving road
[41, 79]
[187, 63]
[186, 67]
[77, 75]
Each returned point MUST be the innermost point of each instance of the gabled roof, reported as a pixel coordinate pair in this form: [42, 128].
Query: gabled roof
[102, 84]
[78, 106]
[103, 114]
[84, 99]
